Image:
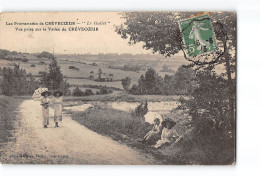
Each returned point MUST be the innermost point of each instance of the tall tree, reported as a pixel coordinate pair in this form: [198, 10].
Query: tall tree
[99, 73]
[160, 32]
[53, 79]
[126, 83]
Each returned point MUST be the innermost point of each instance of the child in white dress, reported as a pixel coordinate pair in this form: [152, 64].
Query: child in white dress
[45, 102]
[168, 133]
[57, 106]
[153, 135]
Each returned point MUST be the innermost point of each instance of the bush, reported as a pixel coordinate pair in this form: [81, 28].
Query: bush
[25, 60]
[17, 82]
[73, 68]
[88, 92]
[104, 90]
[77, 92]
[32, 65]
[214, 131]
[46, 55]
[126, 83]
[140, 110]
[151, 83]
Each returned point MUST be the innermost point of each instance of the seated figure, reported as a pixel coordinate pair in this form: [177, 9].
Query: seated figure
[153, 135]
[168, 133]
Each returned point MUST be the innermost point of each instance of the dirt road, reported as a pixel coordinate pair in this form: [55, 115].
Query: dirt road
[71, 143]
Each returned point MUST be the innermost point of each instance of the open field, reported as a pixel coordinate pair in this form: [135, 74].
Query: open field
[84, 65]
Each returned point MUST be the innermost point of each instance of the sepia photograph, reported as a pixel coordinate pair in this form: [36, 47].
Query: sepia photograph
[118, 88]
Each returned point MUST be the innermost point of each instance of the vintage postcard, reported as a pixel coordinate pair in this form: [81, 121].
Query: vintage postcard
[118, 88]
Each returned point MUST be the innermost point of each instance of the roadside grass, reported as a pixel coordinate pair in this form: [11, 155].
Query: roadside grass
[123, 127]
[8, 119]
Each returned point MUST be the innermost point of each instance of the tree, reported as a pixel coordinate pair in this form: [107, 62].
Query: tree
[126, 83]
[17, 82]
[88, 92]
[77, 92]
[211, 117]
[99, 73]
[141, 110]
[183, 80]
[53, 79]
[160, 32]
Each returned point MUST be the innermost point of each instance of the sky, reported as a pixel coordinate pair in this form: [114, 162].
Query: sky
[105, 40]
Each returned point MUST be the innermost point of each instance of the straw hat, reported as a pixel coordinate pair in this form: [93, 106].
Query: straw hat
[61, 93]
[170, 121]
[43, 93]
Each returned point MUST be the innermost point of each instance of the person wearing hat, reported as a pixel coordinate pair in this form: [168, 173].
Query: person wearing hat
[153, 135]
[57, 106]
[167, 133]
[45, 102]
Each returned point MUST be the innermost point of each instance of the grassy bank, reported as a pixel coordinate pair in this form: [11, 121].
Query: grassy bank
[123, 127]
[8, 120]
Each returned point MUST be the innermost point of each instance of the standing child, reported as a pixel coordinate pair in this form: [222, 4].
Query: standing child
[45, 102]
[57, 105]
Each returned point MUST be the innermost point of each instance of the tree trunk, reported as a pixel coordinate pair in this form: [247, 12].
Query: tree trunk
[231, 93]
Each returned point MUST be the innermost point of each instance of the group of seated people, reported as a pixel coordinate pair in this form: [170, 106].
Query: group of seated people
[161, 133]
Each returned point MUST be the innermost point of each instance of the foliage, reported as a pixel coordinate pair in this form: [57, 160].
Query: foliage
[165, 68]
[17, 82]
[53, 79]
[212, 102]
[46, 55]
[73, 68]
[99, 73]
[104, 90]
[128, 67]
[160, 32]
[88, 92]
[181, 83]
[140, 110]
[208, 106]
[77, 92]
[126, 83]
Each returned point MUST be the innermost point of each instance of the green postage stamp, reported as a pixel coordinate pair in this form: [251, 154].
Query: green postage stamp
[198, 35]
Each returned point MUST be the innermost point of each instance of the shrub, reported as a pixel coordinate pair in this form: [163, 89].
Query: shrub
[77, 92]
[32, 65]
[88, 92]
[141, 110]
[214, 132]
[25, 60]
[104, 90]
[73, 68]
[126, 83]
[46, 55]
[17, 82]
